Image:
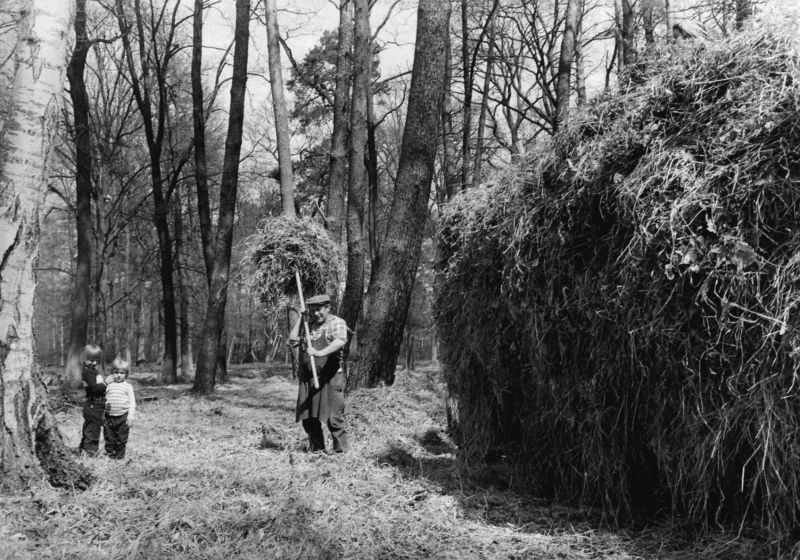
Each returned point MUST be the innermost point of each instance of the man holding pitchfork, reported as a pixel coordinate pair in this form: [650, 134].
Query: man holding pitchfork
[321, 394]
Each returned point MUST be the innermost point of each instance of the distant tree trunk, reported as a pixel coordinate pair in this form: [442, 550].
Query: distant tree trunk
[565, 64]
[155, 138]
[744, 10]
[143, 323]
[372, 168]
[32, 78]
[83, 190]
[580, 70]
[393, 280]
[466, 132]
[279, 109]
[647, 22]
[354, 289]
[450, 144]
[130, 304]
[476, 173]
[201, 174]
[204, 380]
[618, 49]
[668, 20]
[187, 363]
[199, 123]
[627, 32]
[337, 187]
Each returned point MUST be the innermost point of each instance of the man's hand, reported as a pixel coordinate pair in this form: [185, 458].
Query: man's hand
[314, 352]
[129, 422]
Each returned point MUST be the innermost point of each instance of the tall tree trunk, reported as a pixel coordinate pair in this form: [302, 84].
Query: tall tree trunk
[354, 289]
[199, 124]
[83, 189]
[155, 136]
[450, 143]
[201, 173]
[204, 380]
[279, 109]
[668, 20]
[393, 280]
[618, 50]
[466, 132]
[565, 63]
[143, 330]
[372, 167]
[476, 173]
[648, 23]
[337, 187]
[130, 305]
[627, 32]
[187, 363]
[31, 79]
[580, 69]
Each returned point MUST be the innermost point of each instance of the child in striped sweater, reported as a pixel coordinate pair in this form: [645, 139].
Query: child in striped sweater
[120, 409]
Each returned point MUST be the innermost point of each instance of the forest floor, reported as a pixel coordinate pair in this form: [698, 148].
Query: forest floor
[227, 477]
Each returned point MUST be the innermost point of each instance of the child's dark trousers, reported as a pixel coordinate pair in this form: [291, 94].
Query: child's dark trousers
[93, 411]
[116, 433]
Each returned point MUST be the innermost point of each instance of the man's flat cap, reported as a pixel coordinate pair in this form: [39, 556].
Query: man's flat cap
[318, 300]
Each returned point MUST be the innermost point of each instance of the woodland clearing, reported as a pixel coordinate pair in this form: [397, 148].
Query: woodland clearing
[227, 477]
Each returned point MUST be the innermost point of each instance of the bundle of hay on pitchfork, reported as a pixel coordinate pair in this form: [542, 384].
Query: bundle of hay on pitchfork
[287, 258]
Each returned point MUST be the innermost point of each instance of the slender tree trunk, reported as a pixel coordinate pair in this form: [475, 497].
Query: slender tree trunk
[476, 173]
[279, 109]
[187, 363]
[154, 137]
[356, 251]
[201, 173]
[648, 23]
[218, 291]
[668, 20]
[337, 187]
[393, 280]
[83, 190]
[627, 33]
[580, 70]
[450, 143]
[618, 49]
[199, 124]
[143, 323]
[100, 287]
[130, 305]
[32, 80]
[372, 168]
[466, 133]
[565, 64]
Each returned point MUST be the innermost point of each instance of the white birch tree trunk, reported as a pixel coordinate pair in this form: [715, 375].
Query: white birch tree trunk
[32, 81]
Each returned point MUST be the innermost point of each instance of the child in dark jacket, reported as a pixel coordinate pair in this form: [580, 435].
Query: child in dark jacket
[94, 407]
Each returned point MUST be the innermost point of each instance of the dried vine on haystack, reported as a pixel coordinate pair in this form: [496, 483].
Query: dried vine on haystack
[622, 317]
[282, 245]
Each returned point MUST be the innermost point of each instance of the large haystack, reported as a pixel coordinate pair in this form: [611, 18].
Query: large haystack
[621, 317]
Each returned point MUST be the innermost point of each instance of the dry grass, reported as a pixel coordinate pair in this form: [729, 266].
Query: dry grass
[227, 477]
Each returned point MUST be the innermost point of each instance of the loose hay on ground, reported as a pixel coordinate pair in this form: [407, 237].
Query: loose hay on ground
[196, 485]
